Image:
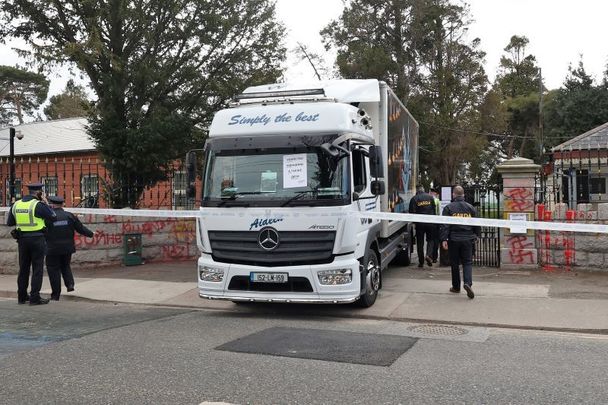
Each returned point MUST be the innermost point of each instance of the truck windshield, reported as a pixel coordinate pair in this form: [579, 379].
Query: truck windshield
[275, 177]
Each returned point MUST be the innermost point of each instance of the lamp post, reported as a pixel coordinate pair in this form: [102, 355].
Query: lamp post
[11, 161]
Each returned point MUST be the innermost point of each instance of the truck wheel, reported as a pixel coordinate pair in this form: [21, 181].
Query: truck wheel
[404, 257]
[371, 279]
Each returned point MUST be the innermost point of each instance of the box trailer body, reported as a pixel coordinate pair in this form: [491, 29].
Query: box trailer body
[289, 172]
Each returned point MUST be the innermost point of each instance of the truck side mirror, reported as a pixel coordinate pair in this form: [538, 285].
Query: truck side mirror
[376, 167]
[378, 187]
[191, 174]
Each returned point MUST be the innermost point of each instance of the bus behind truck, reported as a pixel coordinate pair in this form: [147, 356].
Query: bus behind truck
[289, 172]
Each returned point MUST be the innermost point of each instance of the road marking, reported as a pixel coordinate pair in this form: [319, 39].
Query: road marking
[216, 403]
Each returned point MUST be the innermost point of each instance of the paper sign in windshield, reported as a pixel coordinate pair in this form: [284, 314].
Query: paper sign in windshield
[294, 171]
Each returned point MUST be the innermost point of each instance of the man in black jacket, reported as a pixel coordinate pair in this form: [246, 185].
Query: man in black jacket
[423, 203]
[459, 241]
[60, 246]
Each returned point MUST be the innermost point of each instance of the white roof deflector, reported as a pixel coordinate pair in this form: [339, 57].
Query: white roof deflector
[344, 91]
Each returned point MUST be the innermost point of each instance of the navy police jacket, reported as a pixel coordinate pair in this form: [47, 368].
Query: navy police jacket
[60, 236]
[459, 208]
[422, 203]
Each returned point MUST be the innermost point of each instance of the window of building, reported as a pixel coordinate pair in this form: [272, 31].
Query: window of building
[51, 185]
[18, 194]
[180, 186]
[89, 191]
[598, 185]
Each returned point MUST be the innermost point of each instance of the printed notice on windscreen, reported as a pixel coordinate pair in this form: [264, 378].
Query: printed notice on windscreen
[294, 171]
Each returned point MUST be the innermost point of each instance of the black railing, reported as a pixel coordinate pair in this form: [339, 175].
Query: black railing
[86, 182]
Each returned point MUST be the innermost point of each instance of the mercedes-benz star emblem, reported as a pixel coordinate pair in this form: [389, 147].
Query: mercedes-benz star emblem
[268, 239]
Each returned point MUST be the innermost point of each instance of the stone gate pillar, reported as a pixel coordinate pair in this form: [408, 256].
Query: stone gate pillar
[518, 250]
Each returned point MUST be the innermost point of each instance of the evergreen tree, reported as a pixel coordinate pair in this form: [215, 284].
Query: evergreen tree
[159, 69]
[418, 47]
[21, 93]
[72, 102]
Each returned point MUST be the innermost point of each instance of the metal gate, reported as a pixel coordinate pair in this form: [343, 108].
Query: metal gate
[487, 203]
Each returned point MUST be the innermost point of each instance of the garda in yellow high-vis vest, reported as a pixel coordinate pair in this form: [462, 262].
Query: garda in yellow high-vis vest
[25, 220]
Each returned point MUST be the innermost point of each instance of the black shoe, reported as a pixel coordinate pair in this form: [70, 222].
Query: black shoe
[421, 265]
[470, 292]
[41, 301]
[27, 298]
[54, 298]
[429, 261]
[455, 290]
[434, 260]
[70, 288]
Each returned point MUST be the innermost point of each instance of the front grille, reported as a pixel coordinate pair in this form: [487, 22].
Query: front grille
[294, 284]
[295, 248]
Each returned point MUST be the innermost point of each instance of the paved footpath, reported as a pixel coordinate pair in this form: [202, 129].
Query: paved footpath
[560, 300]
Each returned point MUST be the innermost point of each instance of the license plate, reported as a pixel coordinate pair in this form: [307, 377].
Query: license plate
[269, 277]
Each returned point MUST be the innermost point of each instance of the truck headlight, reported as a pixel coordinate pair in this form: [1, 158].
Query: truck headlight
[211, 274]
[335, 277]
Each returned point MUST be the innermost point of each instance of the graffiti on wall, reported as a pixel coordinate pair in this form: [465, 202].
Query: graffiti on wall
[556, 247]
[176, 240]
[519, 199]
[519, 247]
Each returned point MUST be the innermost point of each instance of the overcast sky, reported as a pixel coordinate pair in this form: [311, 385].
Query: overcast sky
[559, 31]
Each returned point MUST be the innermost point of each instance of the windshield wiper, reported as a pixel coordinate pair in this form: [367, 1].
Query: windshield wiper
[231, 198]
[299, 195]
[233, 203]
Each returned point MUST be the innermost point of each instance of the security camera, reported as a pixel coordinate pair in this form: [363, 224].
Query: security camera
[19, 135]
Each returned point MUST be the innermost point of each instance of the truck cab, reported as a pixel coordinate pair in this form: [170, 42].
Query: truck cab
[289, 172]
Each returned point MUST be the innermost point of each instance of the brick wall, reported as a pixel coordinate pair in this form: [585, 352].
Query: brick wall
[163, 239]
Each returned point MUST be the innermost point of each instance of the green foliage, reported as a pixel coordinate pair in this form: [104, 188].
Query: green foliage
[159, 68]
[523, 123]
[71, 103]
[21, 92]
[575, 108]
[512, 107]
[418, 48]
[518, 72]
[377, 39]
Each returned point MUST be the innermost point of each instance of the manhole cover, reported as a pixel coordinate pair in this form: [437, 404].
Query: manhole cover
[441, 330]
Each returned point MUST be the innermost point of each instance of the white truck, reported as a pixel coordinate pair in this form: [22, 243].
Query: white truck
[289, 170]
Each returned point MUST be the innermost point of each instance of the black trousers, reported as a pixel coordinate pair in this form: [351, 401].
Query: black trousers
[435, 243]
[424, 232]
[59, 266]
[31, 254]
[461, 252]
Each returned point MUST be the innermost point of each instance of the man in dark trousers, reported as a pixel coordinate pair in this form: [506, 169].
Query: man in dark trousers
[60, 241]
[28, 216]
[459, 241]
[423, 203]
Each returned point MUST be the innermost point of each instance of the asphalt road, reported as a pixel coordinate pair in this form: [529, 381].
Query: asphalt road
[96, 353]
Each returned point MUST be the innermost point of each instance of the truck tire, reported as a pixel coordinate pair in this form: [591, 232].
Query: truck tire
[371, 279]
[404, 257]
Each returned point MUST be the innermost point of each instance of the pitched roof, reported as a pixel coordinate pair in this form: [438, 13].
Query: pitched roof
[591, 139]
[47, 137]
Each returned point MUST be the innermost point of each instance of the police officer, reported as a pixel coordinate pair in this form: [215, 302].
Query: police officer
[423, 203]
[28, 216]
[459, 241]
[60, 240]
